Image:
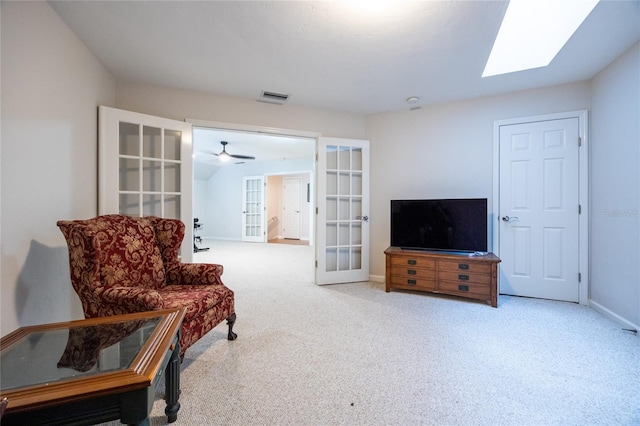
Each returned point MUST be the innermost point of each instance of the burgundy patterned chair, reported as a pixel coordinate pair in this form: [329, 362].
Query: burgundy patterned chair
[124, 264]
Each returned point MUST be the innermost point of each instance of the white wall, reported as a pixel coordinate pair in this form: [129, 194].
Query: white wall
[446, 151]
[51, 87]
[224, 194]
[615, 187]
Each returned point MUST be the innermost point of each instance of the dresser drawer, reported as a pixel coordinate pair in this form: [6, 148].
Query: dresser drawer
[464, 266]
[409, 272]
[464, 277]
[413, 283]
[464, 289]
[418, 262]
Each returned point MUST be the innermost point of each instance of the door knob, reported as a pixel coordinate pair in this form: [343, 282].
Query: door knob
[363, 218]
[510, 219]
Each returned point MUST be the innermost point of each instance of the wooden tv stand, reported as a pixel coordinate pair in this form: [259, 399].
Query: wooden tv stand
[474, 277]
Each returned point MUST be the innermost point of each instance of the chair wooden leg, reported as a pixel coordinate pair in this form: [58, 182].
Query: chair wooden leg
[230, 321]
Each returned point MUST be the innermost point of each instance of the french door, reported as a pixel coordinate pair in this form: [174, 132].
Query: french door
[145, 168]
[539, 209]
[253, 209]
[342, 249]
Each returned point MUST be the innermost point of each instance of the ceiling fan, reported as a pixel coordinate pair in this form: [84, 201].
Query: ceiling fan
[225, 156]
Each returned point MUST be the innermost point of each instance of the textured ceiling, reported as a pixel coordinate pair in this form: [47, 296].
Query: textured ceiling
[332, 54]
[336, 55]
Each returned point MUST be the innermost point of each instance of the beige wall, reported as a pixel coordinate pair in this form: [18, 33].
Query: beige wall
[446, 150]
[51, 87]
[615, 188]
[182, 104]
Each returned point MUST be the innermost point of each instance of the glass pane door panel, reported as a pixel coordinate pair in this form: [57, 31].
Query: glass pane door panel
[171, 177]
[356, 233]
[356, 159]
[332, 157]
[332, 183]
[151, 175]
[151, 142]
[129, 204]
[356, 258]
[332, 259]
[356, 209]
[344, 184]
[344, 158]
[129, 139]
[129, 174]
[332, 234]
[356, 184]
[343, 259]
[345, 209]
[344, 236]
[151, 205]
[172, 206]
[332, 209]
[172, 144]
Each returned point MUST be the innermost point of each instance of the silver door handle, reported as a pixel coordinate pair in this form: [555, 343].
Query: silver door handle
[510, 219]
[363, 218]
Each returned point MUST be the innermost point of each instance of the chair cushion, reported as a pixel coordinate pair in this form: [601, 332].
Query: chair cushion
[198, 299]
[128, 252]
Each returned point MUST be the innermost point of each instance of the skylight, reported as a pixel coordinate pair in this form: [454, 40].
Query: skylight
[533, 32]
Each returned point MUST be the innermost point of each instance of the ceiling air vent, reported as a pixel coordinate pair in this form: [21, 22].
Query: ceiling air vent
[273, 97]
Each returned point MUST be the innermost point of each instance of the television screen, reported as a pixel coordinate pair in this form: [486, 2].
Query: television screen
[447, 224]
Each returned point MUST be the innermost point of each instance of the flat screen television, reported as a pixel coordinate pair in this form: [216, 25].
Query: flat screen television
[456, 225]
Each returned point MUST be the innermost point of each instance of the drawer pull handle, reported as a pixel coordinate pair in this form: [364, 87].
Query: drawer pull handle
[463, 277]
[411, 271]
[463, 287]
[464, 266]
[411, 282]
[412, 262]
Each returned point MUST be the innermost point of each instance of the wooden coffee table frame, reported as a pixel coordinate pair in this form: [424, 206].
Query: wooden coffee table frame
[126, 394]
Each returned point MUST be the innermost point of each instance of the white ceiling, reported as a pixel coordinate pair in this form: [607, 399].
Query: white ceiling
[206, 143]
[331, 54]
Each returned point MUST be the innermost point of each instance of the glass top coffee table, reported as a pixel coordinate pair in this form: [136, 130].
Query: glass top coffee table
[91, 371]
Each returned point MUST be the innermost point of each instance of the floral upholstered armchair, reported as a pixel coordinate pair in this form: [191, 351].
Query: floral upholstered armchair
[124, 264]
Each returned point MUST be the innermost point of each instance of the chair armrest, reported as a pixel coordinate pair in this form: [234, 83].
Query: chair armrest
[134, 299]
[194, 274]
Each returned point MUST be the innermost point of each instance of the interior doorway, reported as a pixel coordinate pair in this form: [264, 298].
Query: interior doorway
[218, 192]
[289, 200]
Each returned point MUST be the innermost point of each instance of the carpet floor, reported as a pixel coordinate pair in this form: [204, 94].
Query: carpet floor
[352, 354]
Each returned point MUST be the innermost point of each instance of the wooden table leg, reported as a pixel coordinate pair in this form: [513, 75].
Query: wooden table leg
[172, 385]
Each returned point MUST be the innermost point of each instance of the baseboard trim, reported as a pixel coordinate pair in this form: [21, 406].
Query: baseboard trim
[612, 315]
[376, 278]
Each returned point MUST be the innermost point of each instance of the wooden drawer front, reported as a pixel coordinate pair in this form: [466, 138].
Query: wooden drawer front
[464, 277]
[463, 267]
[409, 272]
[465, 289]
[415, 283]
[417, 262]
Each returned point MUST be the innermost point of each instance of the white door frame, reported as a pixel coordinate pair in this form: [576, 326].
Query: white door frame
[583, 189]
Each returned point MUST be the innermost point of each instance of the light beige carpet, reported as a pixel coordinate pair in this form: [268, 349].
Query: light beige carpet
[352, 354]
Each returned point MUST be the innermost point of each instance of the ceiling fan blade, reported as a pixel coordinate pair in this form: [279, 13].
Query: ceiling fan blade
[242, 157]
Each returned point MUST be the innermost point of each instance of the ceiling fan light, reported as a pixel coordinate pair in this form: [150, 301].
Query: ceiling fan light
[224, 156]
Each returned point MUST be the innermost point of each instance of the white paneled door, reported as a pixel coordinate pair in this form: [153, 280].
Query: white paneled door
[253, 209]
[539, 209]
[145, 168]
[342, 249]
